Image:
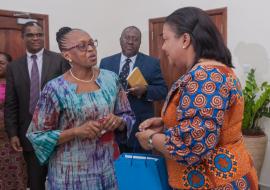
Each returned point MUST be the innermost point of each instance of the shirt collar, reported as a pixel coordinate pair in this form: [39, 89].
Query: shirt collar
[39, 54]
[133, 59]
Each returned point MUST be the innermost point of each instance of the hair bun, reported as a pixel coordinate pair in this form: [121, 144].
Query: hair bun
[62, 32]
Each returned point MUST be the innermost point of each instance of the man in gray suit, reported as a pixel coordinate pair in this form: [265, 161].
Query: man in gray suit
[25, 79]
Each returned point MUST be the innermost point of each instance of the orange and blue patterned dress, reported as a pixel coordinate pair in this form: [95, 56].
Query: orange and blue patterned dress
[203, 115]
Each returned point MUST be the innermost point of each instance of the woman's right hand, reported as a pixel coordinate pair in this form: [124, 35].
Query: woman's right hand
[90, 129]
[155, 123]
[15, 143]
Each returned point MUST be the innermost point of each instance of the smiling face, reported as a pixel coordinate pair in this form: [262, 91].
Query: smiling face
[172, 45]
[33, 38]
[178, 49]
[84, 57]
[130, 41]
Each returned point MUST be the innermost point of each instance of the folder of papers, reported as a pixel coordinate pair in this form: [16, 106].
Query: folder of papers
[136, 78]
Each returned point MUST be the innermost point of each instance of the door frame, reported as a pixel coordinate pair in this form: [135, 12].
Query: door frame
[223, 13]
[151, 24]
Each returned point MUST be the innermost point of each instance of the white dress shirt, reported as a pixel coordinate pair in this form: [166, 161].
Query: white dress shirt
[123, 61]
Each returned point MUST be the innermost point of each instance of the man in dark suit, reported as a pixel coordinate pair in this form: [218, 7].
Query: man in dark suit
[25, 79]
[140, 97]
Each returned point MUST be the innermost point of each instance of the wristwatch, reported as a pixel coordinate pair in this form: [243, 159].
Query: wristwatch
[150, 141]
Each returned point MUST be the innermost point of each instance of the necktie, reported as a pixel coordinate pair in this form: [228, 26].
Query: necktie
[124, 73]
[34, 88]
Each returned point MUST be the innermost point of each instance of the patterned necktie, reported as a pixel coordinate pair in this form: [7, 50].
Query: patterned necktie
[124, 74]
[34, 88]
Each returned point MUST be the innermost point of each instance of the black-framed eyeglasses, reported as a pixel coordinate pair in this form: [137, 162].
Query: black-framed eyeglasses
[83, 46]
[32, 35]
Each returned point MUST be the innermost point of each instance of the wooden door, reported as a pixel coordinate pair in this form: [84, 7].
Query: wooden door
[10, 31]
[171, 74]
[219, 17]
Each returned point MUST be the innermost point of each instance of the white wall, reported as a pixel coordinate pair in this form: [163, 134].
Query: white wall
[248, 26]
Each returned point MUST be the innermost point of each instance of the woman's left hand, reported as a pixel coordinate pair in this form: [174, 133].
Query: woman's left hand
[113, 122]
[143, 137]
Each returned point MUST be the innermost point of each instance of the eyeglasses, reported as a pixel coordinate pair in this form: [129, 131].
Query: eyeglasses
[32, 35]
[83, 46]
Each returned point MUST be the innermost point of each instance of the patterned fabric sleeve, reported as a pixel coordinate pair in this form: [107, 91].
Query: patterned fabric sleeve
[202, 105]
[122, 108]
[43, 131]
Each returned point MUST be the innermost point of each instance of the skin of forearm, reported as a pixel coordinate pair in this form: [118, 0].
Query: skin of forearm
[67, 135]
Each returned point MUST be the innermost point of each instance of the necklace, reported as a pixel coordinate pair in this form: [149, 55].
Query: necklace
[87, 81]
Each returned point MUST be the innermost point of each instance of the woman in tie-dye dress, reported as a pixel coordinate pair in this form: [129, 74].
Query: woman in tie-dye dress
[76, 118]
[199, 132]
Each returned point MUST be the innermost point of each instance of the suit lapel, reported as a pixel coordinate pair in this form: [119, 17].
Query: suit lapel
[138, 62]
[117, 60]
[24, 72]
[45, 67]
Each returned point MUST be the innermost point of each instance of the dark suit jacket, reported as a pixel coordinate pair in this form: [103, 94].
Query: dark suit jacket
[17, 116]
[156, 90]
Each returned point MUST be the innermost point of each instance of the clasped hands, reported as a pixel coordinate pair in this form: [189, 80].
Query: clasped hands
[96, 128]
[147, 128]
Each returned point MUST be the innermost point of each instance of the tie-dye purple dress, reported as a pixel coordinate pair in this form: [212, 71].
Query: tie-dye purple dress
[77, 164]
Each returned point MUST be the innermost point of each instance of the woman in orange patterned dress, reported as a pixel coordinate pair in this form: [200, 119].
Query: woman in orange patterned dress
[12, 167]
[199, 132]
